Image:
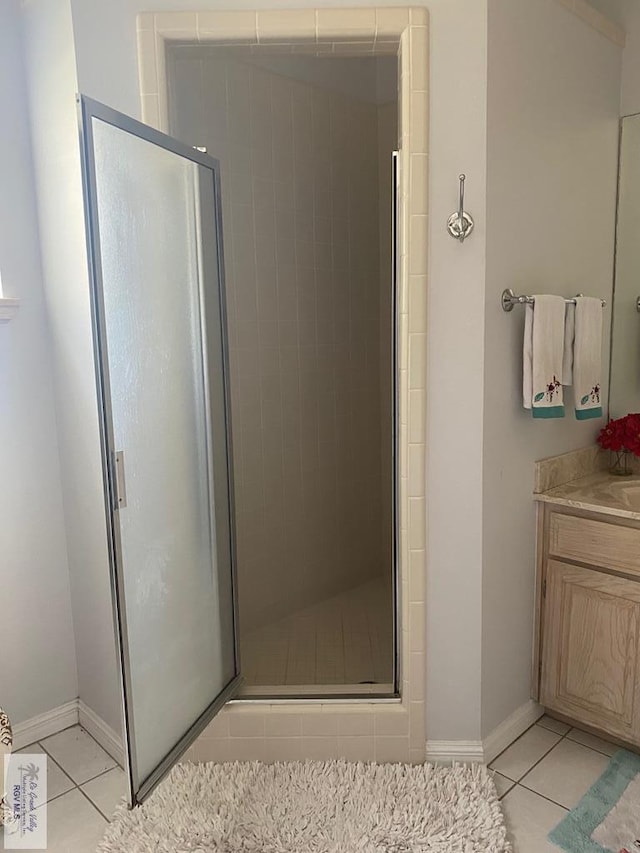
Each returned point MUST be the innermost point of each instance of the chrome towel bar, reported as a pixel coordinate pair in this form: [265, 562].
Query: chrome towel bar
[509, 299]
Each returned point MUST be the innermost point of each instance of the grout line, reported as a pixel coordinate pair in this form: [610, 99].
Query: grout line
[561, 738]
[63, 794]
[549, 729]
[102, 773]
[75, 785]
[57, 763]
[548, 799]
[60, 767]
[508, 791]
[29, 746]
[565, 736]
[519, 782]
[509, 747]
[592, 748]
[66, 772]
[495, 769]
[55, 734]
[88, 798]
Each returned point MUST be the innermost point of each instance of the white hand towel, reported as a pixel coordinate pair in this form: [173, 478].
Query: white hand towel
[527, 358]
[587, 358]
[542, 351]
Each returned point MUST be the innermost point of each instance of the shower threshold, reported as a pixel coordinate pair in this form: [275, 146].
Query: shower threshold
[263, 692]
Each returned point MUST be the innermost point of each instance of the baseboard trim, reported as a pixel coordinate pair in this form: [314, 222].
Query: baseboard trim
[108, 739]
[510, 729]
[484, 751]
[63, 717]
[45, 725]
[450, 751]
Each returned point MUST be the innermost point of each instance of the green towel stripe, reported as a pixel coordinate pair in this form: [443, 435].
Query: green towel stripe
[548, 411]
[586, 414]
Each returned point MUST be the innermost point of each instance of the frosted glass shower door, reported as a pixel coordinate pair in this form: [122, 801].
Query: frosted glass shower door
[153, 218]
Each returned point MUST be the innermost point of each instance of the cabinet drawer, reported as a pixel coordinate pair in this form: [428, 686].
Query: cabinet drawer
[595, 542]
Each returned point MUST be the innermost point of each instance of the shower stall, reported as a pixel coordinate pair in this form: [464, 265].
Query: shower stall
[259, 339]
[305, 147]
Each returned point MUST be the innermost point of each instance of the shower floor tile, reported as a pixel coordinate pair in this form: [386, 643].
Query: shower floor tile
[343, 640]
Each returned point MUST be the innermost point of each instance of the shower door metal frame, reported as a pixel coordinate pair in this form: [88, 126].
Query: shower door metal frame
[89, 109]
[395, 414]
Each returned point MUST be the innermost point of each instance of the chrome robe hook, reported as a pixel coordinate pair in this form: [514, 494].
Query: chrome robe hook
[460, 224]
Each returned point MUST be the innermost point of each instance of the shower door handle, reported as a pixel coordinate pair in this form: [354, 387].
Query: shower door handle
[120, 489]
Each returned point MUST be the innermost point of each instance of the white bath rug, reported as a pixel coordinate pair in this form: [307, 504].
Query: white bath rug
[314, 807]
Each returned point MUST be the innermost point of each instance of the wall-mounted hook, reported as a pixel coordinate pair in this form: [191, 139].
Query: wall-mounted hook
[460, 224]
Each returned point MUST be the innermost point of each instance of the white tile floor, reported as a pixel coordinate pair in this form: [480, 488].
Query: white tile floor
[542, 775]
[84, 785]
[539, 778]
[346, 640]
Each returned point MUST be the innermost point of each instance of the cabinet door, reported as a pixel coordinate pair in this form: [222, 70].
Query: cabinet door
[590, 666]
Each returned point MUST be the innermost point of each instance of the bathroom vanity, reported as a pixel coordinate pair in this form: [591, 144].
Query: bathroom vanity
[587, 618]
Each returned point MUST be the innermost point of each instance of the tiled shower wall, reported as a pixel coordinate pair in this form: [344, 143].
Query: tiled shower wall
[307, 255]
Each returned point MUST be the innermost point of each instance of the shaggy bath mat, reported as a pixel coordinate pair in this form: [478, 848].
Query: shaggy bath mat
[607, 818]
[314, 807]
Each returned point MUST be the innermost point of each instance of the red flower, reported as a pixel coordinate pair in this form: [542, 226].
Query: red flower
[622, 434]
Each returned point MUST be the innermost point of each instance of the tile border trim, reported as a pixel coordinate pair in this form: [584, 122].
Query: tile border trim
[596, 20]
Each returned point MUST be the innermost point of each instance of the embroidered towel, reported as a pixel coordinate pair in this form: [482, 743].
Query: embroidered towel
[587, 358]
[542, 357]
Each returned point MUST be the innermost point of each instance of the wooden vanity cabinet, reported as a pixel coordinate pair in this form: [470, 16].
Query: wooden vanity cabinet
[587, 649]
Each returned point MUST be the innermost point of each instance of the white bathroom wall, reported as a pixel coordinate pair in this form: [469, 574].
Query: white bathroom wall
[299, 176]
[105, 44]
[52, 87]
[37, 664]
[630, 91]
[455, 379]
[552, 139]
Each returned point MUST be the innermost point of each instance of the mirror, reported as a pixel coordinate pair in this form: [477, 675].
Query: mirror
[624, 393]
